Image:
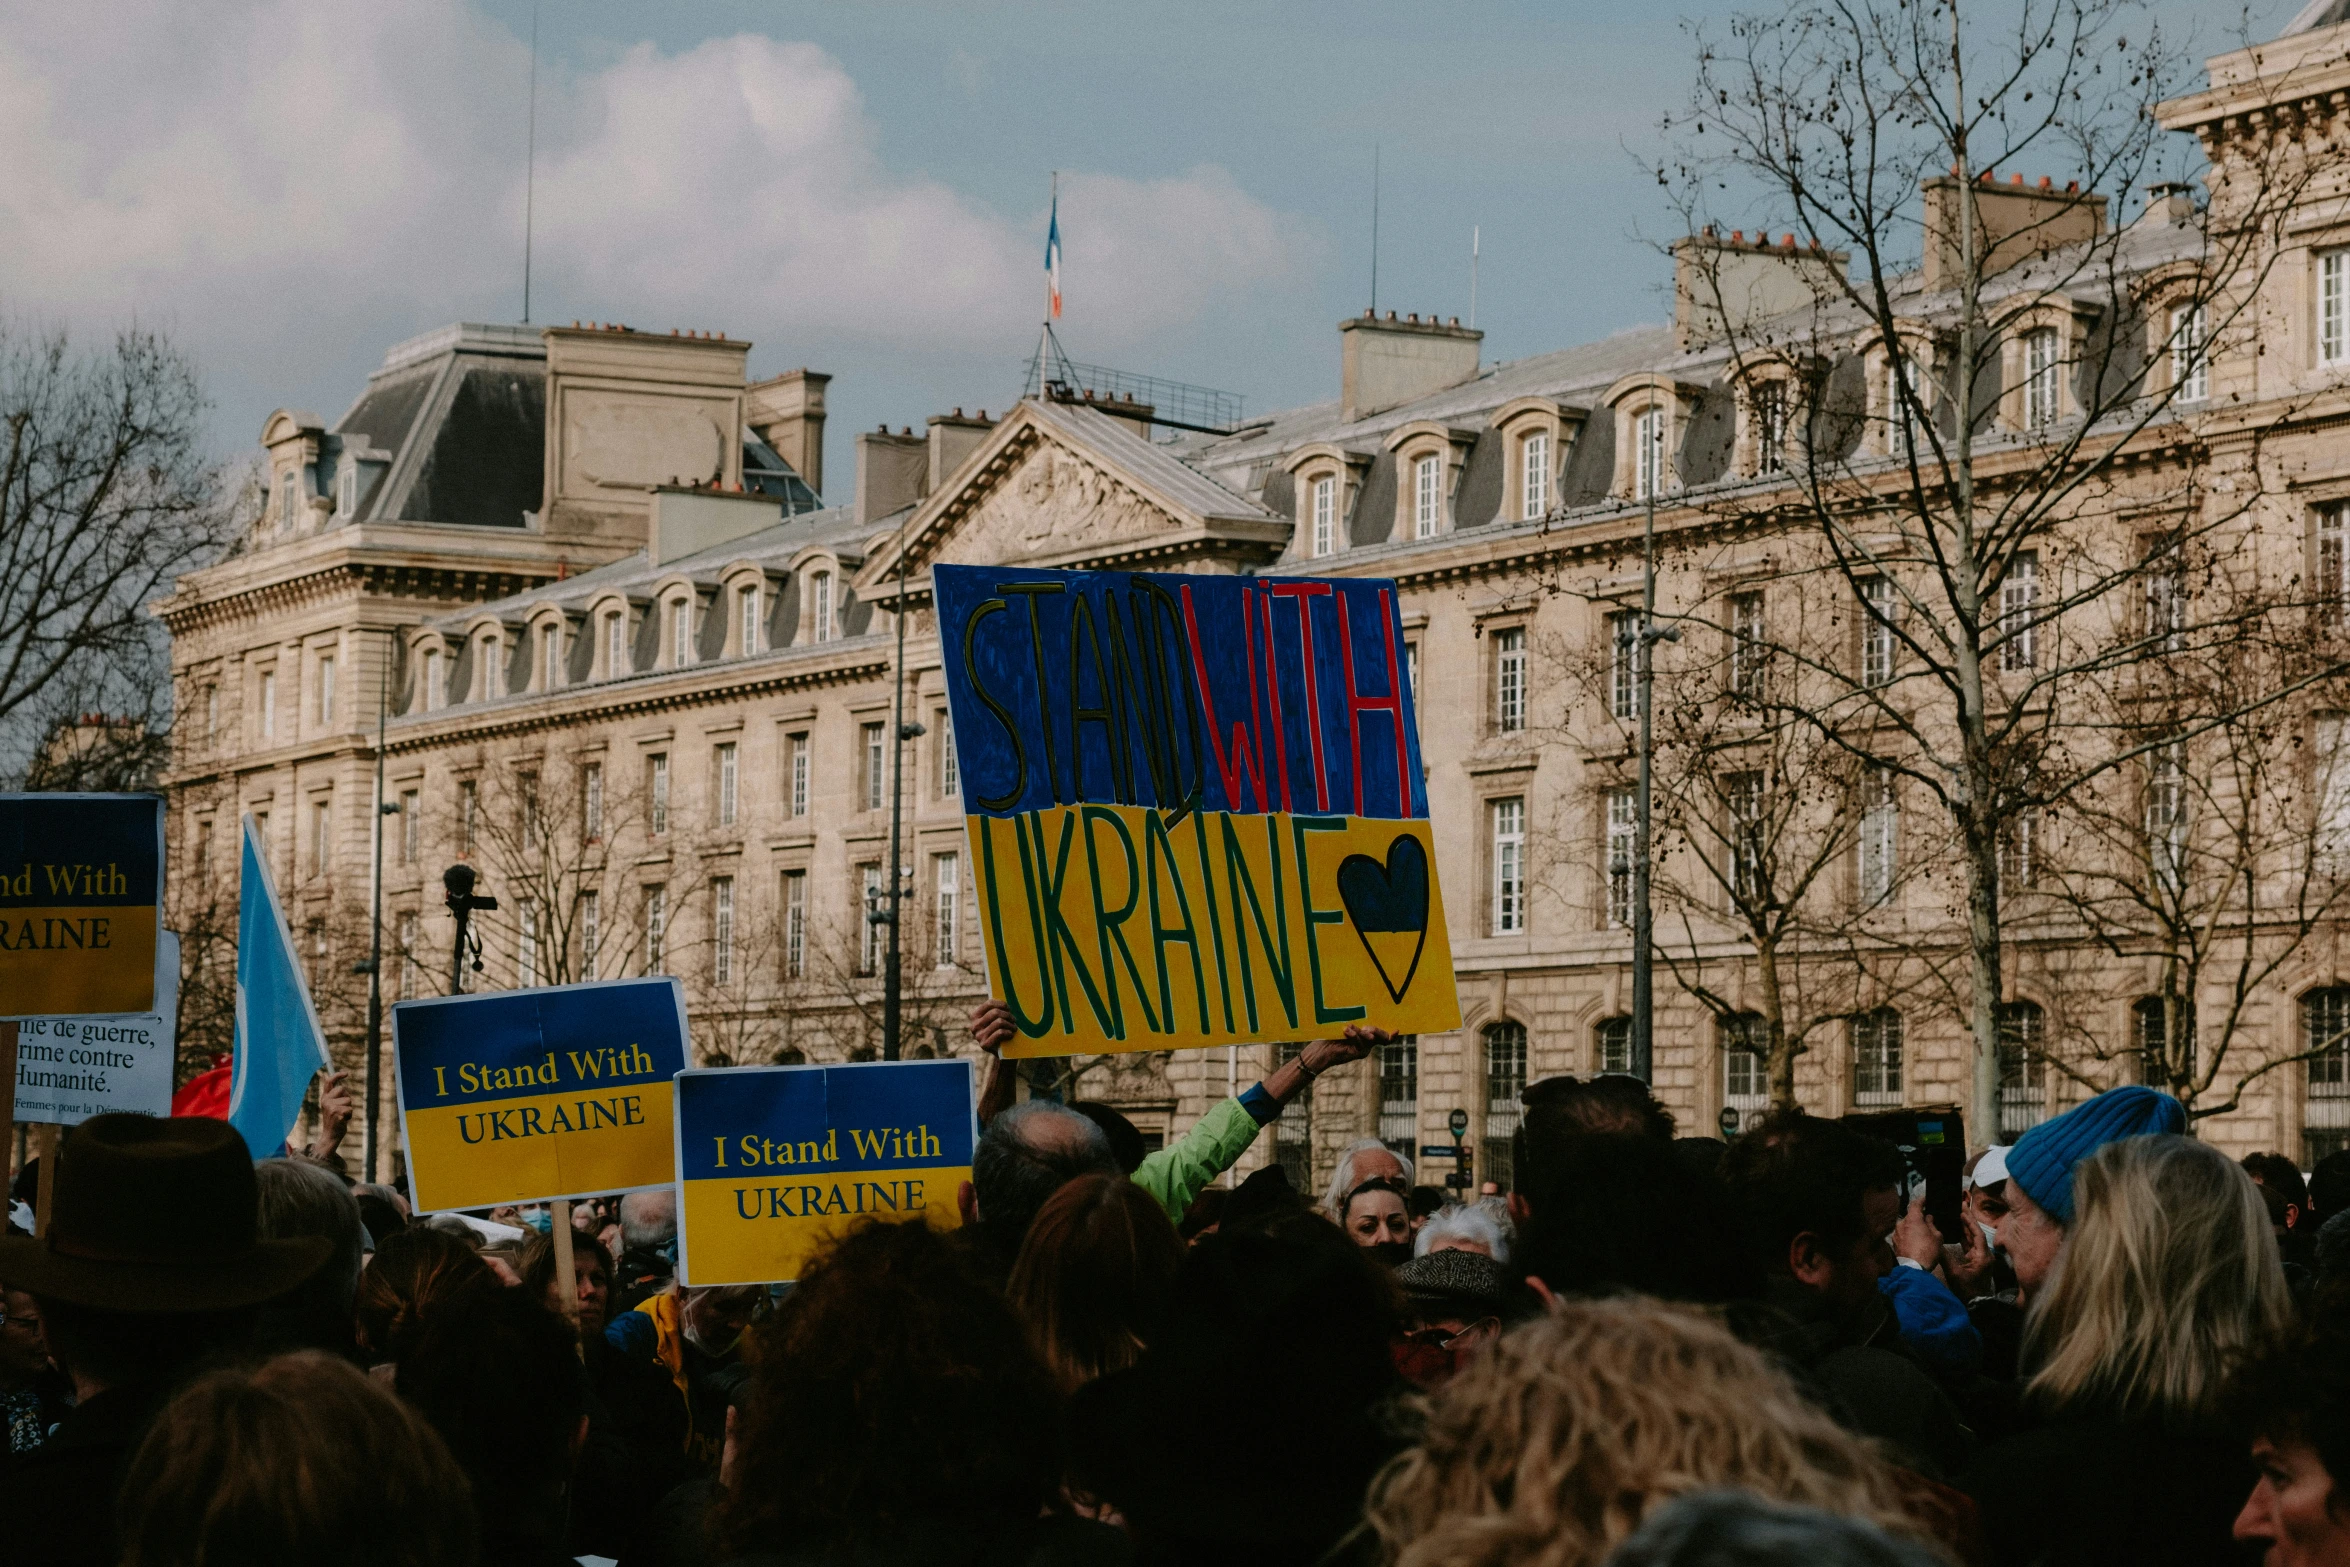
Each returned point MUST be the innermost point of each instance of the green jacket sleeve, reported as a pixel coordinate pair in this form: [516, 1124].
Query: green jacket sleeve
[1175, 1175]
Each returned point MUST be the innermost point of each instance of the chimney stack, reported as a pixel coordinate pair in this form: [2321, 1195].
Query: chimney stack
[1384, 364]
[2014, 223]
[953, 437]
[1725, 286]
[893, 472]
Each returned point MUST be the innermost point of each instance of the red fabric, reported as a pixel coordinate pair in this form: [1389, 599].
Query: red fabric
[205, 1095]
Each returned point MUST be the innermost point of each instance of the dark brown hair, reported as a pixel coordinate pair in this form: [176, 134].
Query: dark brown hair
[412, 1272]
[538, 1262]
[894, 1399]
[302, 1459]
[1093, 1277]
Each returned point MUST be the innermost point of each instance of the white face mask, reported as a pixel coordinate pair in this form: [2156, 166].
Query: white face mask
[1990, 1236]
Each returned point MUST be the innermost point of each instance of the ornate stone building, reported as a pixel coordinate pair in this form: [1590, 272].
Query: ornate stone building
[643, 680]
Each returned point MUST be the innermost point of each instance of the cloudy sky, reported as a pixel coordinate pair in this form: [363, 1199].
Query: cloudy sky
[289, 186]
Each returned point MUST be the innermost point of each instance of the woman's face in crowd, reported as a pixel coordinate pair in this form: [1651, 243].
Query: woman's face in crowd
[2031, 1239]
[2291, 1509]
[595, 1293]
[1373, 1217]
[21, 1353]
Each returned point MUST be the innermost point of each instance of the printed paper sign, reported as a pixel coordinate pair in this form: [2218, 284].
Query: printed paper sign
[1195, 807]
[774, 1162]
[530, 1095]
[71, 1068]
[81, 897]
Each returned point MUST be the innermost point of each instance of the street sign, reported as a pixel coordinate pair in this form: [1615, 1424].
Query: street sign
[1728, 1121]
[1457, 1122]
[1440, 1150]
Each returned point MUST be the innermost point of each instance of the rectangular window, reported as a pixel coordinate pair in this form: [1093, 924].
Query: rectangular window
[1746, 1085]
[1770, 427]
[657, 791]
[212, 712]
[615, 645]
[1293, 1142]
[1876, 631]
[591, 932]
[2042, 375]
[1623, 843]
[203, 851]
[526, 790]
[798, 748]
[1880, 834]
[1747, 649]
[2325, 1040]
[2019, 851]
[526, 944]
[493, 666]
[1505, 1081]
[326, 690]
[722, 929]
[2019, 610]
[656, 927]
[2023, 1069]
[1535, 476]
[1399, 1096]
[591, 801]
[795, 924]
[2190, 372]
[1615, 1045]
[681, 633]
[2166, 813]
[753, 634]
[2330, 787]
[1325, 516]
[950, 767]
[1509, 680]
[288, 486]
[820, 595]
[2166, 597]
[404, 939]
[1743, 810]
[1509, 867]
[1903, 388]
[2333, 559]
[727, 786]
[269, 704]
[1648, 454]
[321, 835]
[347, 490]
[1623, 668]
[436, 684]
[411, 827]
[876, 759]
[872, 910]
[2333, 307]
[468, 815]
[550, 657]
[1876, 1058]
[1411, 669]
[1427, 496]
[946, 880]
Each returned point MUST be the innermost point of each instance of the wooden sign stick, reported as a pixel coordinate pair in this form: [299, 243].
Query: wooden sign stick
[45, 1150]
[566, 1279]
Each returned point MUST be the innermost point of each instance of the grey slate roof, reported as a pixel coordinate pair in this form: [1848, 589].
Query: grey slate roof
[452, 428]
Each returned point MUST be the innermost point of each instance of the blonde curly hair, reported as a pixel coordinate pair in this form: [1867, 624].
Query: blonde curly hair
[1550, 1448]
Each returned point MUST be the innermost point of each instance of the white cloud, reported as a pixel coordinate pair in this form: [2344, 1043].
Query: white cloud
[295, 179]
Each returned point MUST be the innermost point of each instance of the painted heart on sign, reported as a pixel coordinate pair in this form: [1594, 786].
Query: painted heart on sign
[1389, 906]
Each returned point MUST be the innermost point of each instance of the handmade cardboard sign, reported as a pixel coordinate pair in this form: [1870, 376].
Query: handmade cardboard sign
[1195, 807]
[773, 1162]
[81, 900]
[71, 1068]
[531, 1095]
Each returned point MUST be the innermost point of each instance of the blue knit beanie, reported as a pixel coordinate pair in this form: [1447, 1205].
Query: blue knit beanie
[2042, 1160]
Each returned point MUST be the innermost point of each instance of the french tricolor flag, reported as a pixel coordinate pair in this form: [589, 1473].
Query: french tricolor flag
[1052, 259]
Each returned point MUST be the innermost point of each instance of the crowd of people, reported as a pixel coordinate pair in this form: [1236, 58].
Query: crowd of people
[1654, 1349]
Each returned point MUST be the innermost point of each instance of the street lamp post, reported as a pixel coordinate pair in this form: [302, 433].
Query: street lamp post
[458, 881]
[1646, 637]
[893, 889]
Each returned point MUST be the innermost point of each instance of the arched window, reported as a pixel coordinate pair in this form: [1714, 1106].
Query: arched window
[1615, 1045]
[2166, 1041]
[2023, 1068]
[2325, 1040]
[1399, 1095]
[1746, 1084]
[1876, 1058]
[1505, 1080]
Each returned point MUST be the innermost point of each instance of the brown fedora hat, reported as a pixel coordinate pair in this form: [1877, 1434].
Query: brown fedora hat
[156, 1215]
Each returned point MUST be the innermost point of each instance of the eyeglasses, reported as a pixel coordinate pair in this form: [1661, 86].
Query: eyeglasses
[1446, 1338]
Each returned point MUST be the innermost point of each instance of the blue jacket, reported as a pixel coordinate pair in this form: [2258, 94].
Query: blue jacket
[1933, 1320]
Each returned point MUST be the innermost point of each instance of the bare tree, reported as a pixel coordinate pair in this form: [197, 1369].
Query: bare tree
[105, 497]
[1981, 378]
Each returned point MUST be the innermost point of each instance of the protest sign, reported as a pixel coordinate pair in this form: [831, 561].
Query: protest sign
[81, 899]
[1195, 807]
[535, 1095]
[71, 1068]
[775, 1161]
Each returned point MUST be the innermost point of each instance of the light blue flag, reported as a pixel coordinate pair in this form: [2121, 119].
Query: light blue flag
[279, 1045]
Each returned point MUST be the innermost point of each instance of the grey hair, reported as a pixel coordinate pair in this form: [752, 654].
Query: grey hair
[648, 1218]
[299, 1199]
[1740, 1529]
[1473, 1223]
[1342, 1175]
[1028, 1152]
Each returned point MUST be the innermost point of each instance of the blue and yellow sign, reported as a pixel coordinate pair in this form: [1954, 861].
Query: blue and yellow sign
[774, 1162]
[530, 1095]
[81, 895]
[1195, 805]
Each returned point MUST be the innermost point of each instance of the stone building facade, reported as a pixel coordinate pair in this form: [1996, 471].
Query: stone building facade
[637, 674]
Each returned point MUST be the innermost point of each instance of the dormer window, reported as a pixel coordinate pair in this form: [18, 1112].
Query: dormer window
[615, 644]
[1428, 496]
[288, 486]
[493, 668]
[747, 600]
[681, 633]
[1534, 486]
[550, 656]
[2333, 307]
[2041, 370]
[1769, 413]
[1903, 386]
[2190, 370]
[347, 491]
[436, 688]
[820, 603]
[1325, 515]
[1648, 453]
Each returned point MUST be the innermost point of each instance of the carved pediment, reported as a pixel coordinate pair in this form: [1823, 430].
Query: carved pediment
[1051, 502]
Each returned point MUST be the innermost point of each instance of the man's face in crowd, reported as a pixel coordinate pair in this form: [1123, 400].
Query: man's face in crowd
[21, 1354]
[2291, 1509]
[2031, 1239]
[715, 1319]
[1849, 1279]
